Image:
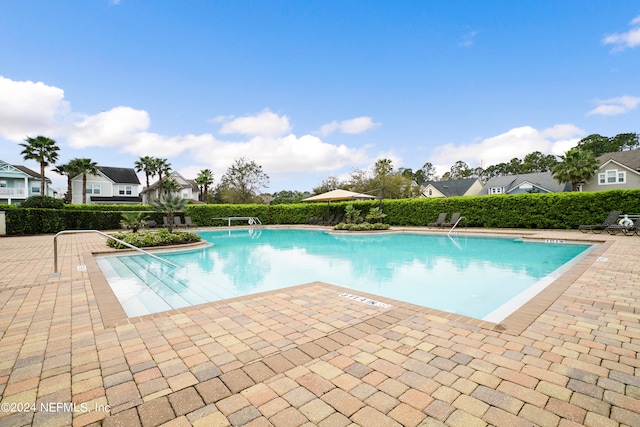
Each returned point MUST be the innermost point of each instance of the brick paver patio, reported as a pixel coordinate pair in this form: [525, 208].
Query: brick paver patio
[304, 356]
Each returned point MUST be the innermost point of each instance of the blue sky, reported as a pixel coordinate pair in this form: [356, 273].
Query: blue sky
[309, 89]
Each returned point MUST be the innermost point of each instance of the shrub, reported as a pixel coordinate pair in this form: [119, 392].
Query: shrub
[147, 239]
[44, 202]
[364, 226]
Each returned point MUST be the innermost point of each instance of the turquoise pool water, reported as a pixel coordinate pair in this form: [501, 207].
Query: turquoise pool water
[473, 276]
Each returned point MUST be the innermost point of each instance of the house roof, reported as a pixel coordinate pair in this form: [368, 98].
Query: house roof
[629, 158]
[184, 183]
[454, 187]
[543, 180]
[120, 175]
[30, 172]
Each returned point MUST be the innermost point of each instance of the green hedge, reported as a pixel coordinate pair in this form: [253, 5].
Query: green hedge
[37, 221]
[553, 211]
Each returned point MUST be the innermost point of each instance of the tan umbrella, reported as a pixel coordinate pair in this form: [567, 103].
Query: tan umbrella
[337, 196]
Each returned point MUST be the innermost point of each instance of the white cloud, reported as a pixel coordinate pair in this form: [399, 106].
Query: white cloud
[517, 142]
[265, 123]
[35, 108]
[29, 109]
[286, 154]
[630, 39]
[108, 129]
[467, 39]
[615, 106]
[351, 126]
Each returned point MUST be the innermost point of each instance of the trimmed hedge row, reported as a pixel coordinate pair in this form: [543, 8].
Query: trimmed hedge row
[552, 211]
[37, 221]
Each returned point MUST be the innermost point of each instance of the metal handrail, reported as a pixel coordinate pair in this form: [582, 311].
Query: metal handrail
[55, 247]
[454, 226]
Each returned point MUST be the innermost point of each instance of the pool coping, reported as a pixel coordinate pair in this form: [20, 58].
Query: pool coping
[113, 313]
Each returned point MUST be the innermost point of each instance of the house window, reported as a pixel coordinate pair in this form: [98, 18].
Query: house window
[3, 184]
[185, 194]
[93, 188]
[125, 190]
[612, 176]
[495, 190]
[430, 192]
[35, 189]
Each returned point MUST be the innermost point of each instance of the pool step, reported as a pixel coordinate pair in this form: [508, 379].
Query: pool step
[162, 280]
[144, 285]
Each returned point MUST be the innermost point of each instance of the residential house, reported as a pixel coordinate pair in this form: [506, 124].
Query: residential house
[619, 170]
[539, 182]
[452, 188]
[18, 183]
[188, 189]
[109, 186]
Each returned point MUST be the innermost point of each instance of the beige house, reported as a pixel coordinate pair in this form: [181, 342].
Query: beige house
[109, 186]
[619, 170]
[452, 188]
[188, 189]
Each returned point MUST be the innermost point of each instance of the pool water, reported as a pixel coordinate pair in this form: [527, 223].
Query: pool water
[472, 276]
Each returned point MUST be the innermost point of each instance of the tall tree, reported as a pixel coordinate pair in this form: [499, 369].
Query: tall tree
[148, 165]
[599, 144]
[163, 169]
[85, 167]
[382, 171]
[204, 180]
[44, 151]
[425, 174]
[329, 184]
[537, 162]
[459, 170]
[626, 141]
[575, 167]
[171, 186]
[69, 169]
[242, 182]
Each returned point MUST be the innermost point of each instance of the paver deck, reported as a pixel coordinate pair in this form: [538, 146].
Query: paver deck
[304, 356]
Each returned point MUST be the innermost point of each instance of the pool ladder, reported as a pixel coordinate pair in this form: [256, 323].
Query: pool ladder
[55, 248]
[454, 226]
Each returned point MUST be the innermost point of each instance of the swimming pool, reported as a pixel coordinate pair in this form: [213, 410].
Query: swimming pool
[468, 275]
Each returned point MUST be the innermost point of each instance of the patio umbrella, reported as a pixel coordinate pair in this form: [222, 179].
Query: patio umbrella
[337, 196]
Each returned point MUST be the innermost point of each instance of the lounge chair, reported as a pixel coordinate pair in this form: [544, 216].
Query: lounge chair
[188, 222]
[338, 219]
[315, 220]
[628, 229]
[331, 220]
[599, 228]
[455, 217]
[177, 221]
[440, 221]
[165, 221]
[151, 224]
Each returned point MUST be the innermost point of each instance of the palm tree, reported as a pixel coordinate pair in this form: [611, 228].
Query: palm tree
[43, 150]
[575, 166]
[85, 167]
[205, 179]
[162, 168]
[169, 204]
[170, 185]
[147, 165]
[69, 169]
